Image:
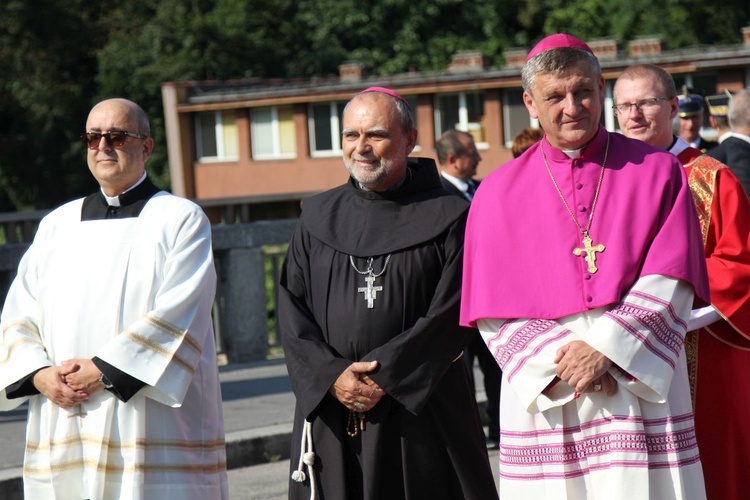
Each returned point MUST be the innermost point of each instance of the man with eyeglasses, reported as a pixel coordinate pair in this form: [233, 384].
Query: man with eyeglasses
[582, 259]
[107, 334]
[718, 336]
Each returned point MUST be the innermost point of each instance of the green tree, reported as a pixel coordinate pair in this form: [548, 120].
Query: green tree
[395, 36]
[682, 23]
[48, 61]
[59, 59]
[173, 40]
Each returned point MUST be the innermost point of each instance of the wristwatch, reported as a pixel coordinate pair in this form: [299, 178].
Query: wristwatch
[105, 382]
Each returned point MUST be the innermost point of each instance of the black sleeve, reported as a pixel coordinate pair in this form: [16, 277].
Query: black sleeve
[124, 386]
[22, 388]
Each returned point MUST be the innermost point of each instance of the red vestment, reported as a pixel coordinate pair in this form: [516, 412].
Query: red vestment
[719, 355]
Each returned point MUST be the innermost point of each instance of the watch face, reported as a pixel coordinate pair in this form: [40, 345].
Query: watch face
[107, 385]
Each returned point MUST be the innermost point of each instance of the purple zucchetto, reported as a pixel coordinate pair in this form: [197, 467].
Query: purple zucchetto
[557, 41]
[387, 91]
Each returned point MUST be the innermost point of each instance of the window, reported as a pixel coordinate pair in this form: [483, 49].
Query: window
[515, 115]
[412, 100]
[463, 111]
[609, 120]
[324, 123]
[272, 133]
[216, 136]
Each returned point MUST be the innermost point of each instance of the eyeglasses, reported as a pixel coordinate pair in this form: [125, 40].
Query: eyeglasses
[642, 106]
[115, 138]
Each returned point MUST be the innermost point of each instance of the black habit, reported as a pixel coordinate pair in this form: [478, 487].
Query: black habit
[424, 438]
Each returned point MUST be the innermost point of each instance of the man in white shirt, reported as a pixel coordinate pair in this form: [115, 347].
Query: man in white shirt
[458, 158]
[734, 151]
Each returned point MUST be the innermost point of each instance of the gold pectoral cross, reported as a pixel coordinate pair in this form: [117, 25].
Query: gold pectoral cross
[590, 251]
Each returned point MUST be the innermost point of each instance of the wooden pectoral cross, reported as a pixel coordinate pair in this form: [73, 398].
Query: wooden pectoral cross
[590, 251]
[370, 291]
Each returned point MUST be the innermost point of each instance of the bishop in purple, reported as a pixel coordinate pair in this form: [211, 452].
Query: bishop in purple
[582, 260]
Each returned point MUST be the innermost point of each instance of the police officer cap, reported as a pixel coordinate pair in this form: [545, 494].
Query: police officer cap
[718, 105]
[690, 105]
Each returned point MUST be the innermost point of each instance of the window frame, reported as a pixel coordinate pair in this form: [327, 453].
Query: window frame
[463, 115]
[276, 154]
[218, 128]
[336, 126]
[508, 134]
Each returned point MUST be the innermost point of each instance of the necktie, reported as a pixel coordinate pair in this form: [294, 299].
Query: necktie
[470, 190]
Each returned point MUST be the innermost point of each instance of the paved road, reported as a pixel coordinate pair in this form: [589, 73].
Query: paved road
[269, 481]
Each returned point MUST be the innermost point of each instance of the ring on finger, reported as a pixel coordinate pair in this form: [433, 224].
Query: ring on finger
[597, 387]
[358, 405]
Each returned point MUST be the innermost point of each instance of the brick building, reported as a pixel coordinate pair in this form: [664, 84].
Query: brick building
[252, 149]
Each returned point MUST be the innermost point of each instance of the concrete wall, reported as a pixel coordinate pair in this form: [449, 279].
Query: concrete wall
[241, 294]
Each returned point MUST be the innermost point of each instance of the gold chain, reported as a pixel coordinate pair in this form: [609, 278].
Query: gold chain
[596, 196]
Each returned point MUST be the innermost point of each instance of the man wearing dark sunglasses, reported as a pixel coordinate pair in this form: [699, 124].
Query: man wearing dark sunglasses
[117, 150]
[107, 334]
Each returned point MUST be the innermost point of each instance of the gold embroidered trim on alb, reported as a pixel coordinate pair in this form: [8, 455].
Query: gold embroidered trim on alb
[702, 181]
[148, 468]
[159, 349]
[168, 327]
[25, 325]
[117, 446]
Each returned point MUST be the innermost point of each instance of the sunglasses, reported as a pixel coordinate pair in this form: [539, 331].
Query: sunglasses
[115, 138]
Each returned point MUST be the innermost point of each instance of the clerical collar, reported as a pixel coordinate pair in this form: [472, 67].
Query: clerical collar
[114, 201]
[131, 202]
[576, 153]
[573, 153]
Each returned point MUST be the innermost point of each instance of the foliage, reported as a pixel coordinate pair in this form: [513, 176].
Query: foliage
[60, 58]
[48, 62]
[273, 258]
[682, 23]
